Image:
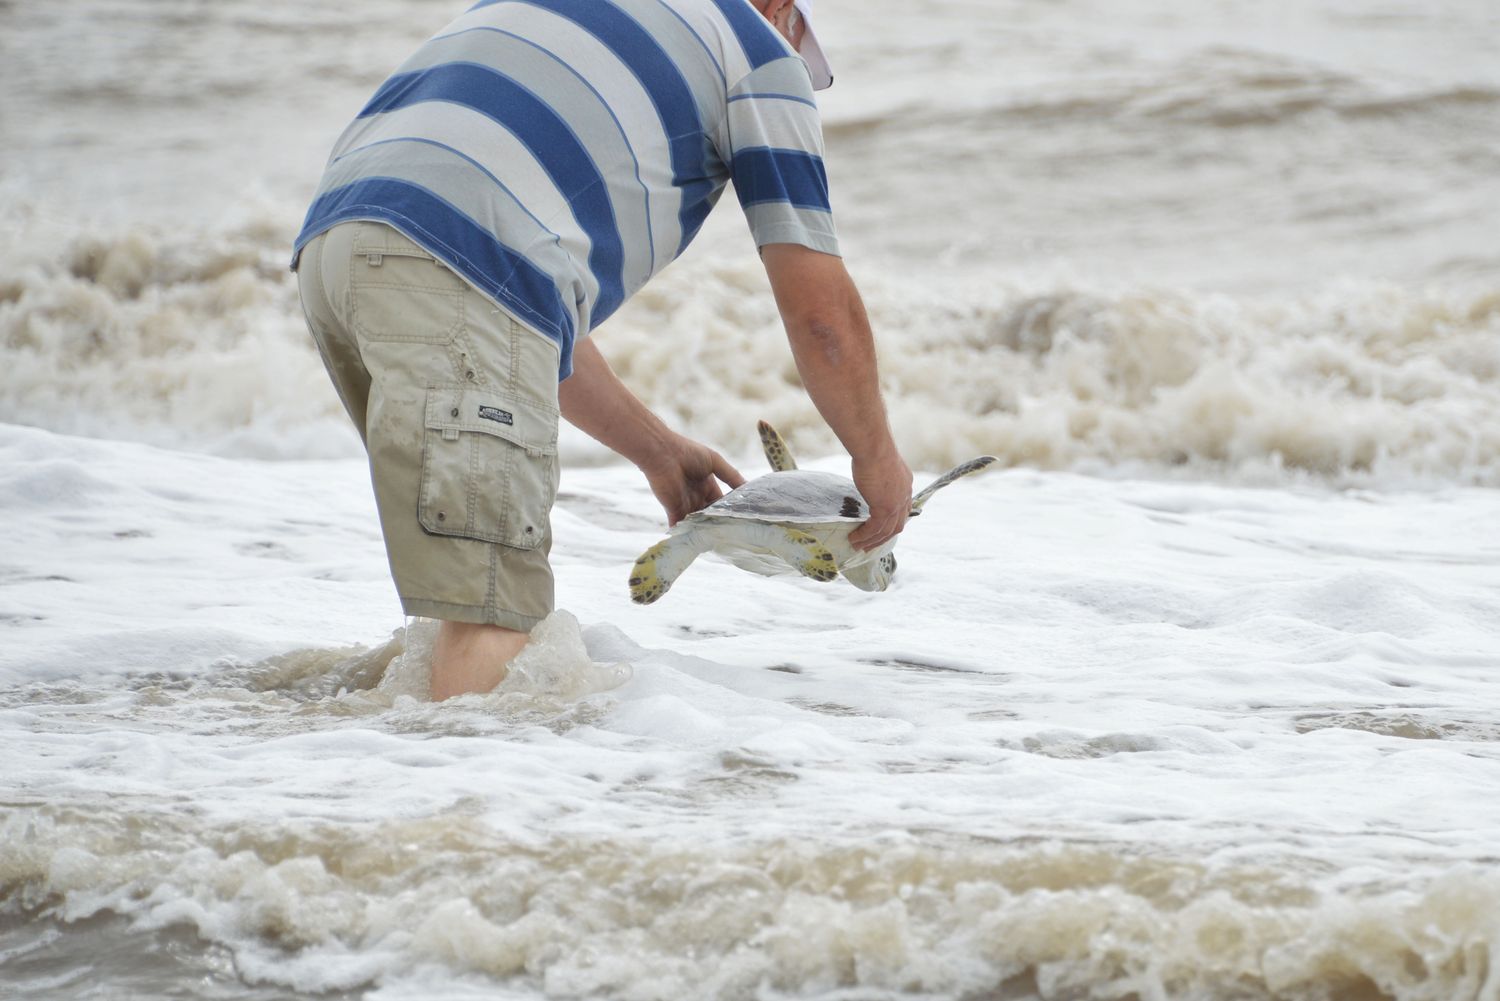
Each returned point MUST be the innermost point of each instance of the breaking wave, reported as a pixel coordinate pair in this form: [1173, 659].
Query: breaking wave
[319, 907]
[151, 337]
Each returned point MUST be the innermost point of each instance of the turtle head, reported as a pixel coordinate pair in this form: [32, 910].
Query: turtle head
[875, 575]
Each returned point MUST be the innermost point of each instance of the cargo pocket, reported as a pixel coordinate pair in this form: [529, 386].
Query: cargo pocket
[489, 467]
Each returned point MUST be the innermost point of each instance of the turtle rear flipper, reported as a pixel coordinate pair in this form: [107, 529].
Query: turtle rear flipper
[777, 454]
[963, 469]
[658, 567]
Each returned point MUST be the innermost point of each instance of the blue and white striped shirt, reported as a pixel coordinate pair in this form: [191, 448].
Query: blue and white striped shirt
[559, 153]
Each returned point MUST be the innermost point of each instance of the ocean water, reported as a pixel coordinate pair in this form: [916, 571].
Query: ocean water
[1244, 239]
[1194, 696]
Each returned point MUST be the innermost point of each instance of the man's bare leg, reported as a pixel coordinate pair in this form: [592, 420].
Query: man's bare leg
[467, 657]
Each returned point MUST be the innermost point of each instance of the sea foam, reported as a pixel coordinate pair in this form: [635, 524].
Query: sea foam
[1101, 738]
[145, 337]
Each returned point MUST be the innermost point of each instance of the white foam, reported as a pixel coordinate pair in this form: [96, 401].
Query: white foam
[1100, 736]
[410, 673]
[556, 663]
[554, 666]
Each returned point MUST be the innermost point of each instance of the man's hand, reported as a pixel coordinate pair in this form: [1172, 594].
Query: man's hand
[685, 477]
[683, 474]
[885, 484]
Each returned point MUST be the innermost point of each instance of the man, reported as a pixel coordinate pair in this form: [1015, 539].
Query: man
[521, 175]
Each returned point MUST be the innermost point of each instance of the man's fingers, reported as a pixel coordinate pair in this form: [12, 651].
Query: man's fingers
[724, 471]
[691, 485]
[877, 531]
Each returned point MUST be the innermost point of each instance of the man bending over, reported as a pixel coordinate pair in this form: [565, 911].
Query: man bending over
[530, 167]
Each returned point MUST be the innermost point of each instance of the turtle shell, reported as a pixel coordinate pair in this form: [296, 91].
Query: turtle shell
[793, 496]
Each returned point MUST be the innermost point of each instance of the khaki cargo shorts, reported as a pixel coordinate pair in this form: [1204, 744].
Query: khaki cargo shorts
[457, 404]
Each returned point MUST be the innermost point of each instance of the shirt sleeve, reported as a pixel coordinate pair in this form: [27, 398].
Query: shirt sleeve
[775, 155]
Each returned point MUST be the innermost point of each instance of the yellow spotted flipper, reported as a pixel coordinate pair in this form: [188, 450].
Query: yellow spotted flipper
[658, 567]
[809, 556]
[646, 584]
[963, 469]
[777, 454]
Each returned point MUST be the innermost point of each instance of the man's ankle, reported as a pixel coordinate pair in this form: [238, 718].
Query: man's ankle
[471, 658]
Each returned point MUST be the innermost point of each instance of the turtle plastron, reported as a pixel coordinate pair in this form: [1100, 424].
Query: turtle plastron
[659, 567]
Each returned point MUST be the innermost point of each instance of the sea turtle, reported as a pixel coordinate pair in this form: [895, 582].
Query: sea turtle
[787, 520]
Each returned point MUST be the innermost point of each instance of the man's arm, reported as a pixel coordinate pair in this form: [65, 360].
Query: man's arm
[835, 354]
[683, 474]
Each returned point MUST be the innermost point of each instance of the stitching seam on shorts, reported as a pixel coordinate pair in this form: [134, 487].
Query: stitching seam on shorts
[461, 331]
[422, 478]
[471, 524]
[353, 310]
[491, 593]
[515, 354]
[317, 267]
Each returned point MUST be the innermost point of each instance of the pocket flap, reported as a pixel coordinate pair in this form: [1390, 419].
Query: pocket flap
[518, 421]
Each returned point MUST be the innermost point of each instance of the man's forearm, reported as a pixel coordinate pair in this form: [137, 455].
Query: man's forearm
[835, 353]
[684, 475]
[594, 400]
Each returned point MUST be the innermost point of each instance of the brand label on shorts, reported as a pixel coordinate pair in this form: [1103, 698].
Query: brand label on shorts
[497, 415]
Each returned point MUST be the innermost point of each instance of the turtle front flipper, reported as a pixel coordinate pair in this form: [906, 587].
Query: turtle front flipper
[801, 551]
[963, 469]
[777, 454]
[658, 567]
[809, 556]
